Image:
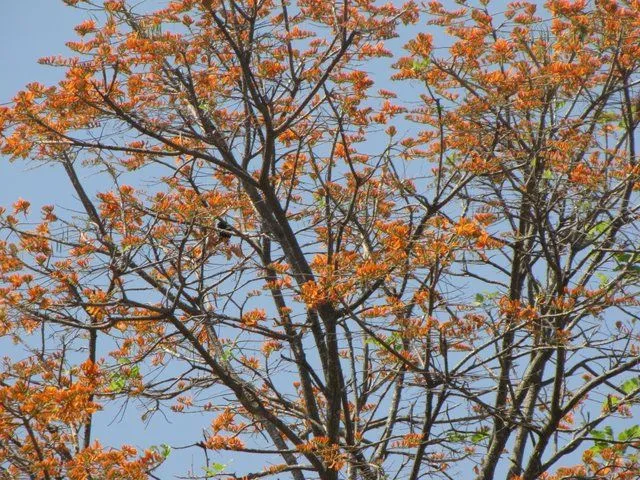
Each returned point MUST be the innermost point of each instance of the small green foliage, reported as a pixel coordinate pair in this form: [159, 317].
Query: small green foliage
[630, 385]
[632, 433]
[485, 299]
[456, 437]
[163, 449]
[420, 65]
[599, 229]
[117, 383]
[118, 380]
[605, 438]
[480, 436]
[214, 469]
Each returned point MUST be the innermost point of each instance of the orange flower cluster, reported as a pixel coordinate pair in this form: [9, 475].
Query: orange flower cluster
[221, 442]
[253, 317]
[409, 440]
[329, 452]
[514, 311]
[97, 462]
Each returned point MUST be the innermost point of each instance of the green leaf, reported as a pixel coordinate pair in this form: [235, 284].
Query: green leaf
[547, 175]
[630, 385]
[484, 297]
[622, 257]
[479, 436]
[214, 469]
[134, 372]
[395, 340]
[456, 437]
[607, 117]
[602, 438]
[603, 279]
[227, 354]
[631, 433]
[419, 65]
[609, 405]
[606, 434]
[117, 383]
[163, 449]
[599, 229]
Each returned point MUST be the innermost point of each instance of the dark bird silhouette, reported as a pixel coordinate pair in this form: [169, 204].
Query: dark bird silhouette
[224, 230]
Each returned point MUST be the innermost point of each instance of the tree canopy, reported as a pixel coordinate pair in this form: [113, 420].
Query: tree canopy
[361, 240]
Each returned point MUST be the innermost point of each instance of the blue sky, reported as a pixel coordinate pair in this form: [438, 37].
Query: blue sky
[29, 30]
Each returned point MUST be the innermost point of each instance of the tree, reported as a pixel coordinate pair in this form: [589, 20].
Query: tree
[345, 284]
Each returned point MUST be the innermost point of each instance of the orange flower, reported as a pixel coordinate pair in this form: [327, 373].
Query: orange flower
[21, 206]
[221, 442]
[251, 318]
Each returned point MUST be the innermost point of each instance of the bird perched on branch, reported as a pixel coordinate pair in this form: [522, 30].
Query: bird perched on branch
[224, 230]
